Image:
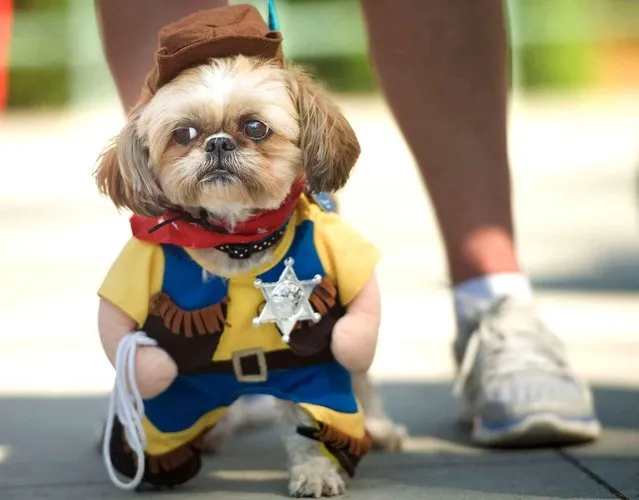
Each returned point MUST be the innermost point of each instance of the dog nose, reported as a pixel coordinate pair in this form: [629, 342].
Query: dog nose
[220, 145]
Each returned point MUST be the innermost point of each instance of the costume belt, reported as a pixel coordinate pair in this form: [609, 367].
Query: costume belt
[253, 365]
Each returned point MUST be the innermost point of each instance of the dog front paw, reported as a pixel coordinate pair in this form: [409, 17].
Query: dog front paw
[316, 478]
[385, 434]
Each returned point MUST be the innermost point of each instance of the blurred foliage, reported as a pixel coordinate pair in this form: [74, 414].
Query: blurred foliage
[558, 41]
[40, 5]
[40, 36]
[555, 49]
[341, 74]
[328, 38]
[556, 53]
[556, 66]
[45, 86]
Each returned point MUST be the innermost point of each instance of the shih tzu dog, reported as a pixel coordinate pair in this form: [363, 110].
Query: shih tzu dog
[236, 281]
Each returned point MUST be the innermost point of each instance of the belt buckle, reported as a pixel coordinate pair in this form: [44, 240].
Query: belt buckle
[237, 358]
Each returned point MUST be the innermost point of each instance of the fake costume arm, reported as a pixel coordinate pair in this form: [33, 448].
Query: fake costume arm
[350, 261]
[133, 279]
[355, 334]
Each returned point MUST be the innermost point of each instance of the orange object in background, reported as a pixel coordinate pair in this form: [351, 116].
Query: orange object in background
[6, 13]
[617, 64]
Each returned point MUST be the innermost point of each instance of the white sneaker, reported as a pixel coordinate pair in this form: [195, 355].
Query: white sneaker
[515, 383]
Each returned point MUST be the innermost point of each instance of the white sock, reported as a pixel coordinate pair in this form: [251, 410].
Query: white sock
[478, 294]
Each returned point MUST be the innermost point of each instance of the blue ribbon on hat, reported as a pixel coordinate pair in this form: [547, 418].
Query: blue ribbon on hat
[273, 21]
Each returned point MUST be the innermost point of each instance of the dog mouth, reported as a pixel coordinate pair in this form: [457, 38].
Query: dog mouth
[220, 175]
[217, 172]
[223, 171]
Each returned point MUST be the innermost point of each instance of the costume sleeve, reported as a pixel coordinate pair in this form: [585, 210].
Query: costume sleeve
[134, 277]
[347, 257]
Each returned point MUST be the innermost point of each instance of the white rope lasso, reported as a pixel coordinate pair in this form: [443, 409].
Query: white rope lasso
[126, 403]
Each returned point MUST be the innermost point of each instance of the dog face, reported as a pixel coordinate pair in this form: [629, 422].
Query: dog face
[230, 136]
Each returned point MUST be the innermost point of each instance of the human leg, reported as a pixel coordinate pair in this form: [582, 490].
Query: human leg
[442, 66]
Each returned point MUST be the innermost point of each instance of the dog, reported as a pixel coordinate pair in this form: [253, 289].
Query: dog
[223, 144]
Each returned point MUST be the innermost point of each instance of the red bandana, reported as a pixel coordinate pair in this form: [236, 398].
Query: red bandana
[190, 234]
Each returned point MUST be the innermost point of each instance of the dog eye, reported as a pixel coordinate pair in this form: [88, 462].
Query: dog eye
[184, 135]
[255, 129]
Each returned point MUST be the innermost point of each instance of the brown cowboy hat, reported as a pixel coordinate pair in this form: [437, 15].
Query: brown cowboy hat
[224, 32]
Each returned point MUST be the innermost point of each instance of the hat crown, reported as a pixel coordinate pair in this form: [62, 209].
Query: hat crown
[233, 21]
[224, 32]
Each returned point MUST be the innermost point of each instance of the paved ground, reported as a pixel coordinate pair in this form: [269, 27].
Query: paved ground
[579, 238]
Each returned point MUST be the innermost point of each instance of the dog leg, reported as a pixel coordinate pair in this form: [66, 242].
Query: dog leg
[248, 412]
[312, 474]
[386, 434]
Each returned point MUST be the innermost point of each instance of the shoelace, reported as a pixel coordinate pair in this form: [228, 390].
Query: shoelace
[511, 352]
[126, 403]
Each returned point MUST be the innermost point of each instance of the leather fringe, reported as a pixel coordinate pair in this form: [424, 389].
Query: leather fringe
[342, 441]
[206, 321]
[176, 458]
[324, 296]
[346, 449]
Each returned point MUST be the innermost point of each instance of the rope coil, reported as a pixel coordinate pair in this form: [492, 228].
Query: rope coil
[126, 404]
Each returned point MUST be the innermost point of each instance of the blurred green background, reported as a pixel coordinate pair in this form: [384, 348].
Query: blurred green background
[56, 58]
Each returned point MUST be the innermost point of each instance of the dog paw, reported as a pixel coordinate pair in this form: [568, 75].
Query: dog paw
[386, 434]
[315, 479]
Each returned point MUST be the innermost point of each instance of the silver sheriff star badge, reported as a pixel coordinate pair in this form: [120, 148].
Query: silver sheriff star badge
[287, 300]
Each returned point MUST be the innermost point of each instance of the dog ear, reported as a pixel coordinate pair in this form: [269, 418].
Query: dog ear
[328, 143]
[124, 174]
